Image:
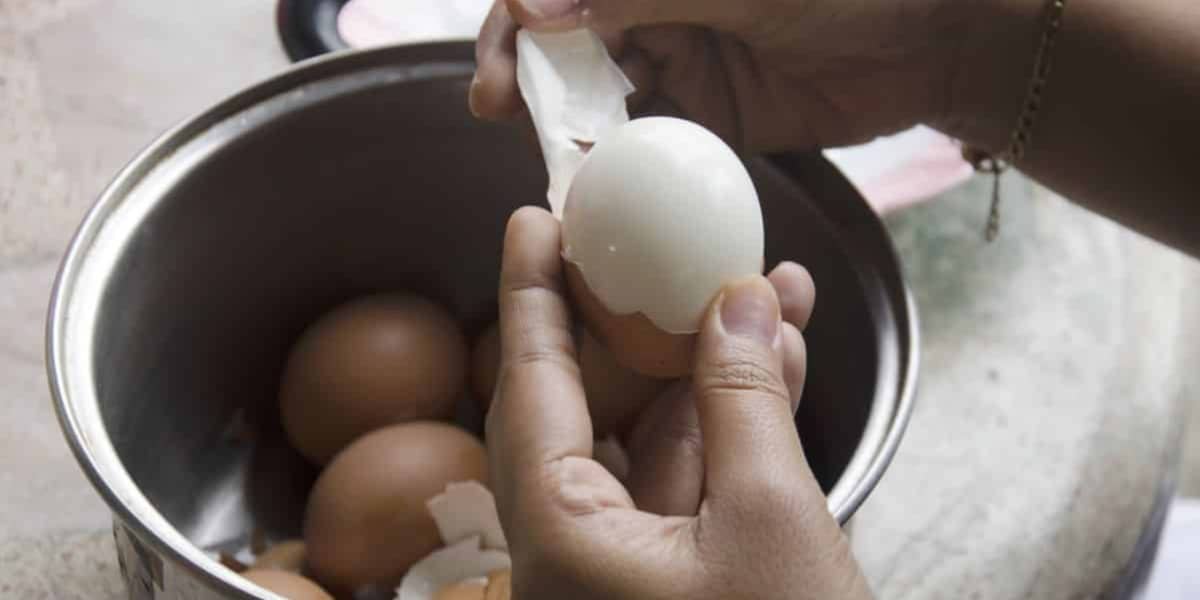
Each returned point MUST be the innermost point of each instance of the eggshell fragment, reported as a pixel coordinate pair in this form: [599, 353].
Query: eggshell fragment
[467, 510]
[465, 560]
[575, 93]
[499, 585]
[472, 589]
[288, 585]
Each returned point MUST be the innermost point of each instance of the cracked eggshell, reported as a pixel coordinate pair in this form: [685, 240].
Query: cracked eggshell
[463, 562]
[575, 93]
[660, 215]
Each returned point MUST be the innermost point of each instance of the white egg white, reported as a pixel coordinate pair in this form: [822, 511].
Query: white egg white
[659, 217]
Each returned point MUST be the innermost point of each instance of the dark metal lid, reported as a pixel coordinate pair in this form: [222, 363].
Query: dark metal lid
[308, 28]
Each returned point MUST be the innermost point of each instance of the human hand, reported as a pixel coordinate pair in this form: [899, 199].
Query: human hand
[761, 528]
[664, 443]
[766, 75]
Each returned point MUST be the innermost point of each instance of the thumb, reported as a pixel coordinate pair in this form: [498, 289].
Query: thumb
[618, 15]
[742, 399]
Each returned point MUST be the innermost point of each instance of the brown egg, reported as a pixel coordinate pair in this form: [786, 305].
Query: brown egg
[367, 522]
[288, 585]
[284, 556]
[372, 362]
[634, 340]
[485, 365]
[466, 590]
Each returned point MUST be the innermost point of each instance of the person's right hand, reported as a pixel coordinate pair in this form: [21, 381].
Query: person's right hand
[766, 75]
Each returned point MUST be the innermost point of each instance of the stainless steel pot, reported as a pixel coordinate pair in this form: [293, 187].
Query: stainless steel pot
[356, 172]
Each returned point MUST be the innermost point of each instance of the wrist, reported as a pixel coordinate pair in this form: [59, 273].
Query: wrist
[988, 83]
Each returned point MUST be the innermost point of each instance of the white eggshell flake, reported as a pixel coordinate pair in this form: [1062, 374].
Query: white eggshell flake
[465, 560]
[660, 215]
[466, 510]
[575, 93]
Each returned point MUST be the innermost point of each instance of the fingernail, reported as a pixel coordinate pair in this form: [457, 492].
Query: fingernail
[472, 92]
[551, 9]
[749, 309]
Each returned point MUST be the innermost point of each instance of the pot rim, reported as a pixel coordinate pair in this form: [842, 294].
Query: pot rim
[69, 368]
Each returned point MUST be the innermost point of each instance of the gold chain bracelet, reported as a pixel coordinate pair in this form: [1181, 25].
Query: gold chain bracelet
[984, 162]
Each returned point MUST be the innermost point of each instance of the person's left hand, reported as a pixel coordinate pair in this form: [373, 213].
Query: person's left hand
[666, 472]
[759, 527]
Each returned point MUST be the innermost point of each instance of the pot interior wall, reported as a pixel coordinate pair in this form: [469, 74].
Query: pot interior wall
[390, 187]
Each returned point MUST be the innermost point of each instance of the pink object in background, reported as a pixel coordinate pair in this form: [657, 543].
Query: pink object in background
[900, 170]
[890, 172]
[363, 23]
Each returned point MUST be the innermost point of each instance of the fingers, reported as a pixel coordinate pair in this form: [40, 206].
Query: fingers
[564, 15]
[666, 474]
[539, 414]
[570, 524]
[494, 94]
[797, 292]
[795, 364]
[742, 399]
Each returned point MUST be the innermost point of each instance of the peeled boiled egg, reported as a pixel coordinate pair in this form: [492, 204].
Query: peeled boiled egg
[367, 521]
[287, 584]
[369, 363]
[660, 215]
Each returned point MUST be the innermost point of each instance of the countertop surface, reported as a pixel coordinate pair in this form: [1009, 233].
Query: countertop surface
[1053, 378]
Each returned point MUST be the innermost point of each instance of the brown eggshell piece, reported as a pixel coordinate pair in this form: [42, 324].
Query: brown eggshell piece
[633, 339]
[499, 585]
[288, 585]
[284, 556]
[369, 363]
[367, 520]
[467, 590]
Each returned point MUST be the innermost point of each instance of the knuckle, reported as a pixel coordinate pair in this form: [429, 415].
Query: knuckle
[740, 373]
[555, 352]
